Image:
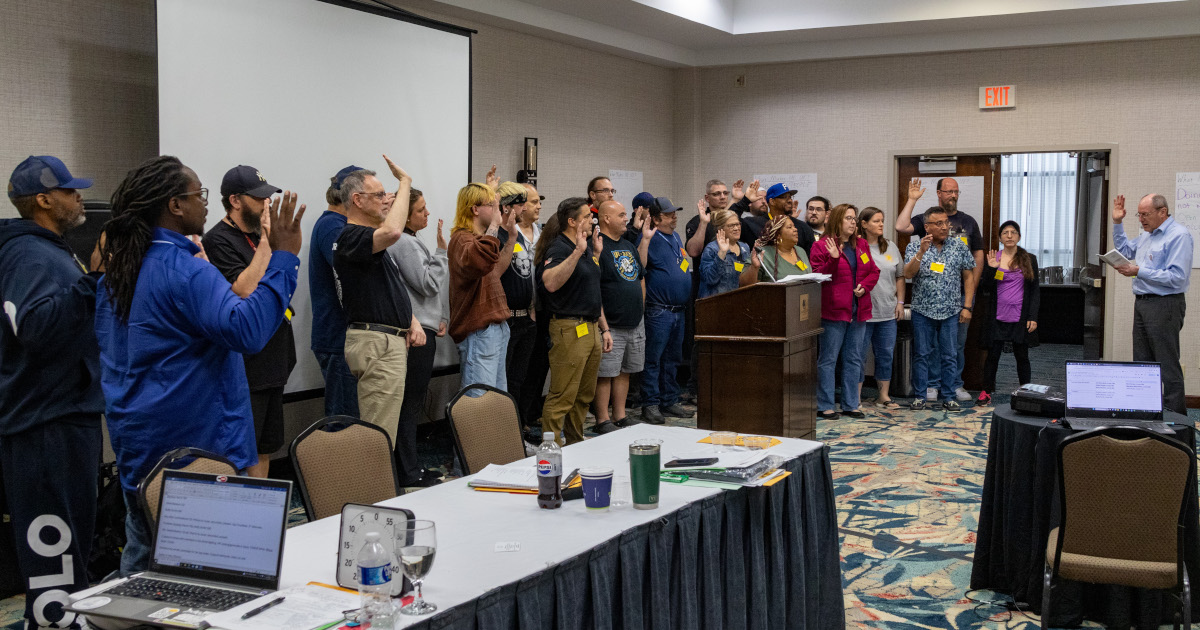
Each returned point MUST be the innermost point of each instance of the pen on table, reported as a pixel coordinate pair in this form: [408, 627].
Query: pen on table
[570, 478]
[277, 600]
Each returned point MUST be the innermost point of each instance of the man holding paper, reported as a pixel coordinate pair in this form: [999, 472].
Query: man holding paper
[1161, 266]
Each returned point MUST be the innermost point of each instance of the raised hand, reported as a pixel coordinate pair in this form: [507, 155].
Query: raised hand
[752, 193]
[492, 181]
[581, 238]
[926, 241]
[441, 238]
[832, 248]
[1118, 214]
[195, 238]
[702, 210]
[648, 228]
[755, 259]
[639, 217]
[285, 223]
[722, 243]
[597, 243]
[397, 172]
[992, 260]
[97, 261]
[509, 220]
[738, 190]
[915, 189]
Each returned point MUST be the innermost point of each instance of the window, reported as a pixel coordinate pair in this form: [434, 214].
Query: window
[1037, 190]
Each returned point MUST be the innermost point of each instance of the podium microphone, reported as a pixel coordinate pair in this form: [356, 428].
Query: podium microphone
[759, 249]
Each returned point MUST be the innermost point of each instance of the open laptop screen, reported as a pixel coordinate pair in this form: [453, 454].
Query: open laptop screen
[222, 528]
[1114, 389]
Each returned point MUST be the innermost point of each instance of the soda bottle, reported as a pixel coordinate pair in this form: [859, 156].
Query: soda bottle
[375, 583]
[549, 469]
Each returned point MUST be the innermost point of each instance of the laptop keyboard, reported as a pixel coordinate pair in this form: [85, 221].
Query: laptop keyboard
[1084, 424]
[190, 595]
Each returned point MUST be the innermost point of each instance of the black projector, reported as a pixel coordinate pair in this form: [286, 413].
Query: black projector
[1040, 400]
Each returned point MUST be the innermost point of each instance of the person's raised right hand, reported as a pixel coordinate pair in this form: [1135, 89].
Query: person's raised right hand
[722, 243]
[992, 260]
[738, 190]
[915, 189]
[703, 211]
[397, 172]
[441, 238]
[926, 241]
[492, 181]
[648, 228]
[752, 192]
[832, 248]
[582, 240]
[1118, 214]
[285, 223]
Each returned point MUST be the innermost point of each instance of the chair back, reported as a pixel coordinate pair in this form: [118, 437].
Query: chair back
[201, 461]
[487, 428]
[342, 460]
[1123, 492]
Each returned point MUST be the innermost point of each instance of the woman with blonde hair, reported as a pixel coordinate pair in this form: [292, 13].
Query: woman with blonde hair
[478, 307]
[725, 263]
[887, 302]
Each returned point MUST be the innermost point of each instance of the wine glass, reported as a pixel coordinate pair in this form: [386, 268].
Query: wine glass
[416, 557]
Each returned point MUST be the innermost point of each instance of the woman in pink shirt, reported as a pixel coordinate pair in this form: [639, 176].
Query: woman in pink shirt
[1009, 298]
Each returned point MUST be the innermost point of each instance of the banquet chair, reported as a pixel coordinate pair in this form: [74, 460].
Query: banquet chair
[342, 460]
[487, 429]
[202, 461]
[1123, 492]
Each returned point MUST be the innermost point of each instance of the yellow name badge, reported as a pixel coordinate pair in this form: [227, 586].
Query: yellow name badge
[738, 267]
[683, 264]
[889, 257]
[596, 259]
[801, 265]
[865, 258]
[963, 239]
[517, 248]
[937, 267]
[581, 330]
[999, 275]
[288, 313]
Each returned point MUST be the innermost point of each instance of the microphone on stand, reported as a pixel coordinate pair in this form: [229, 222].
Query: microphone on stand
[759, 249]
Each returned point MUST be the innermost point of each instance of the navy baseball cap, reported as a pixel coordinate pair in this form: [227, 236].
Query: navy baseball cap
[662, 204]
[779, 190]
[42, 173]
[246, 180]
[643, 200]
[344, 173]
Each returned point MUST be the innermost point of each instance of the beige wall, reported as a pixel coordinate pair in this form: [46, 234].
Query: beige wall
[840, 119]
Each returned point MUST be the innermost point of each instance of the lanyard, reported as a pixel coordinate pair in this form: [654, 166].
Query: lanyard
[677, 250]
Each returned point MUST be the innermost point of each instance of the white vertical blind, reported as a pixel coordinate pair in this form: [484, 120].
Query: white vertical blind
[1037, 190]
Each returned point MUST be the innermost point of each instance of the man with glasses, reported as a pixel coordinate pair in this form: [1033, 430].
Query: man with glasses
[963, 228]
[232, 245]
[599, 190]
[381, 324]
[1161, 270]
[816, 210]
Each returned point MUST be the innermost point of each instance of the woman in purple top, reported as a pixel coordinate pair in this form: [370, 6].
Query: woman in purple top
[1009, 297]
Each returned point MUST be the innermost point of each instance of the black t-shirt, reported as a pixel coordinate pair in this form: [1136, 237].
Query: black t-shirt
[752, 228]
[579, 296]
[962, 225]
[230, 250]
[620, 286]
[368, 282]
[517, 279]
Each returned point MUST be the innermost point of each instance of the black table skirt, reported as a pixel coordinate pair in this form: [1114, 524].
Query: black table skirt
[749, 558]
[1020, 506]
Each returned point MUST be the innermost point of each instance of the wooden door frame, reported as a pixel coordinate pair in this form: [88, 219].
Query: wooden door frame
[1113, 185]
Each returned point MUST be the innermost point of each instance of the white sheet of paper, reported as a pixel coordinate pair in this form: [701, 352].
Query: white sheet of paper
[1115, 258]
[805, 184]
[305, 607]
[519, 476]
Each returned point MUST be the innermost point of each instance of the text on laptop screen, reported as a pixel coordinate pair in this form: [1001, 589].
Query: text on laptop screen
[1132, 387]
[226, 526]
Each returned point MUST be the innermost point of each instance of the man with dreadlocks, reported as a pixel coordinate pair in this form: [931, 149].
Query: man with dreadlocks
[50, 400]
[172, 329]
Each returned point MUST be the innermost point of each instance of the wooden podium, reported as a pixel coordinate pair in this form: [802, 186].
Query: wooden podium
[758, 359]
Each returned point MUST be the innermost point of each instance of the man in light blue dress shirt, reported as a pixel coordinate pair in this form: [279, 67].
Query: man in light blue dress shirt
[1162, 264]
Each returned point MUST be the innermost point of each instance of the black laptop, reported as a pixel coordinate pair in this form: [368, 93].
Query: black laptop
[219, 544]
[1115, 393]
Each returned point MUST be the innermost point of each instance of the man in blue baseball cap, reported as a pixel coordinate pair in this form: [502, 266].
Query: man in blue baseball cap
[50, 398]
[779, 202]
[328, 319]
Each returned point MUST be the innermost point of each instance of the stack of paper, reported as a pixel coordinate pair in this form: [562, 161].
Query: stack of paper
[522, 477]
[305, 607]
[819, 277]
[1115, 258]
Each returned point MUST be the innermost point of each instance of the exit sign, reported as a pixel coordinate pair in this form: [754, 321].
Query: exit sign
[998, 97]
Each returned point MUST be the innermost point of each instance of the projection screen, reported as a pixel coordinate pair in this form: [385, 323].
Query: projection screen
[300, 89]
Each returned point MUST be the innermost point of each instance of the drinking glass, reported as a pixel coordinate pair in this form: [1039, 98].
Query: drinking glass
[416, 557]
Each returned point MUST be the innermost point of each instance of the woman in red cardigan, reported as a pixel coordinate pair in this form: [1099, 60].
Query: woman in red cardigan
[845, 308]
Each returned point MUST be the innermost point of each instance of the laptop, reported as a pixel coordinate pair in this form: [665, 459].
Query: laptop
[219, 544]
[1114, 393]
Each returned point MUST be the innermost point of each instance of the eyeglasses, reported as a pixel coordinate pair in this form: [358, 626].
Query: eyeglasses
[378, 195]
[939, 223]
[203, 193]
[611, 191]
[948, 192]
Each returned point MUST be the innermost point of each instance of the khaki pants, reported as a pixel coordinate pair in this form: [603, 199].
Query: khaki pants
[574, 362]
[380, 362]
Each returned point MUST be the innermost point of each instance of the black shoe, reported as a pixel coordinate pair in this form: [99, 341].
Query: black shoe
[652, 415]
[676, 411]
[829, 415]
[854, 413]
[533, 435]
[688, 398]
[627, 422]
[605, 427]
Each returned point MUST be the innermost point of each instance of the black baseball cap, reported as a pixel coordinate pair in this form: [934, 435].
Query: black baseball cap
[246, 180]
[662, 204]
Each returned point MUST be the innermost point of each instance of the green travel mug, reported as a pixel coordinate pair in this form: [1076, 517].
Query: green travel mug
[644, 467]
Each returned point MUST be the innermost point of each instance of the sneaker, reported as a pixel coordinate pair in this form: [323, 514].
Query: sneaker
[854, 413]
[652, 415]
[676, 411]
[605, 427]
[962, 395]
[917, 405]
[931, 394]
[951, 405]
[627, 422]
[984, 399]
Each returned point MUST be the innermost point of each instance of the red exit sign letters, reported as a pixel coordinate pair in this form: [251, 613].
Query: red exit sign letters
[998, 97]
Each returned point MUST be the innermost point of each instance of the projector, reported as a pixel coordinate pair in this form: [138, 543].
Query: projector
[1040, 400]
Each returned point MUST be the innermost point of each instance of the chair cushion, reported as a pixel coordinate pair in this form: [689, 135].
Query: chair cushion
[1100, 570]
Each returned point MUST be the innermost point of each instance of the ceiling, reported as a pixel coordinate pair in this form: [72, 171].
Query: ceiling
[682, 33]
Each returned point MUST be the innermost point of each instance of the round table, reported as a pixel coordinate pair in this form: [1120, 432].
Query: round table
[1019, 508]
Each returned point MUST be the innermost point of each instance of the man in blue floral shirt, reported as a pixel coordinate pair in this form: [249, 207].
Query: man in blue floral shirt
[942, 271]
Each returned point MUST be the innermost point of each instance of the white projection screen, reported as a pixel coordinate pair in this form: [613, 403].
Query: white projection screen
[301, 88]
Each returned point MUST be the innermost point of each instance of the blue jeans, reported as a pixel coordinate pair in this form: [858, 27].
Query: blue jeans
[482, 354]
[135, 555]
[935, 381]
[882, 336]
[935, 342]
[664, 352]
[846, 339]
[341, 388]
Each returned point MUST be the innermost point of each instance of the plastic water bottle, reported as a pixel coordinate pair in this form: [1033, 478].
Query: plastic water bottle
[549, 470]
[375, 583]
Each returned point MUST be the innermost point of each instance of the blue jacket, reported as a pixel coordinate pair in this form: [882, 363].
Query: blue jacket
[720, 276]
[49, 362]
[172, 374]
[328, 318]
